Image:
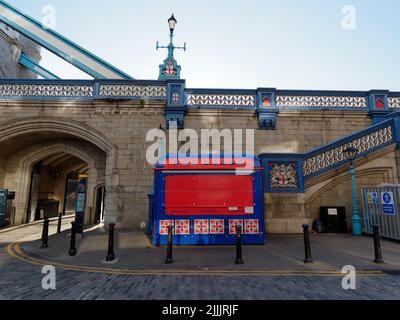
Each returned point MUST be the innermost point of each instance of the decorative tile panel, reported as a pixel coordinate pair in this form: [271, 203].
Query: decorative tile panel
[37, 90]
[221, 100]
[394, 102]
[287, 101]
[252, 226]
[283, 175]
[336, 155]
[201, 226]
[164, 226]
[120, 90]
[217, 226]
[233, 223]
[182, 227]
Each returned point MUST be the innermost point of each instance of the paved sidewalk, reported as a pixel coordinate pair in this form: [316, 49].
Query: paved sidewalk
[280, 253]
[33, 231]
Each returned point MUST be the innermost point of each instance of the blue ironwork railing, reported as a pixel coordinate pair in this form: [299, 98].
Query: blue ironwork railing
[281, 168]
[367, 141]
[82, 89]
[240, 99]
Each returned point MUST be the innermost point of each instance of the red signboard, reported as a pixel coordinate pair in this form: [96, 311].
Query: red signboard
[209, 194]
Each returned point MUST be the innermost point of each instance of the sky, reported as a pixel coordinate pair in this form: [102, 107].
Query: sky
[284, 44]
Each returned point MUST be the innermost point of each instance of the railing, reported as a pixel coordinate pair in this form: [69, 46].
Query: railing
[83, 89]
[332, 155]
[221, 99]
[331, 100]
[279, 100]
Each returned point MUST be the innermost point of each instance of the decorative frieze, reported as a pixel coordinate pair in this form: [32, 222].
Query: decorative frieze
[120, 90]
[295, 101]
[335, 155]
[38, 90]
[394, 102]
[220, 100]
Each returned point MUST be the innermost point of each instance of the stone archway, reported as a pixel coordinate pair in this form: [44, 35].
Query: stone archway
[25, 142]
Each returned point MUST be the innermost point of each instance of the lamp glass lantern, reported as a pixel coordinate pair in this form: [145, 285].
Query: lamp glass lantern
[350, 153]
[172, 23]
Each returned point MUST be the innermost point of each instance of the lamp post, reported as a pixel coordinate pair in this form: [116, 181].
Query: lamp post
[351, 153]
[170, 68]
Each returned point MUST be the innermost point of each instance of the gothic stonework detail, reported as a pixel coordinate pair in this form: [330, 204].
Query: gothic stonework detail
[221, 100]
[336, 155]
[321, 102]
[133, 91]
[34, 90]
[394, 102]
[283, 175]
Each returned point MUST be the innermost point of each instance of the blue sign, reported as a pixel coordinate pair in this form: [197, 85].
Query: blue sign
[373, 197]
[388, 203]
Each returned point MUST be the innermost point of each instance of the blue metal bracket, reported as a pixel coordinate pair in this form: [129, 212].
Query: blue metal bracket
[266, 108]
[36, 68]
[175, 109]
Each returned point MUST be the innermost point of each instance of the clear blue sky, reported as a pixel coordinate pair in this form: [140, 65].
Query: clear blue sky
[288, 44]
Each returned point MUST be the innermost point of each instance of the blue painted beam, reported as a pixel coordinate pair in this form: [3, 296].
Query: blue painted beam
[34, 67]
[59, 45]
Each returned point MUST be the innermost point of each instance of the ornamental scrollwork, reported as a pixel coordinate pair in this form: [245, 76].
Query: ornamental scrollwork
[336, 155]
[287, 101]
[132, 91]
[221, 100]
[37, 90]
[394, 102]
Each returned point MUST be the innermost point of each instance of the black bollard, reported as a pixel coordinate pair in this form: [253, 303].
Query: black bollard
[239, 259]
[377, 245]
[45, 234]
[72, 248]
[307, 246]
[59, 222]
[110, 254]
[169, 246]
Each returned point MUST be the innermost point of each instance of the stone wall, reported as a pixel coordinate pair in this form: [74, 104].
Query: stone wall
[129, 176]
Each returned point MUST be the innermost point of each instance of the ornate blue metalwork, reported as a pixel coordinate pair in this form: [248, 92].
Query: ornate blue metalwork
[175, 109]
[170, 68]
[266, 108]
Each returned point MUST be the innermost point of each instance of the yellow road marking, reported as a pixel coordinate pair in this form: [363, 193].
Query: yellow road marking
[14, 250]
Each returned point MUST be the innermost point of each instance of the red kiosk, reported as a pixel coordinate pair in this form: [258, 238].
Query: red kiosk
[205, 202]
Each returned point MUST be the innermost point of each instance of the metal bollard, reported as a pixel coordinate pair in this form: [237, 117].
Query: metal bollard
[239, 259]
[45, 233]
[377, 245]
[72, 248]
[169, 246]
[59, 222]
[307, 246]
[110, 254]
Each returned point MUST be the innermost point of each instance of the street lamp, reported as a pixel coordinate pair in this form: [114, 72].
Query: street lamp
[351, 153]
[172, 23]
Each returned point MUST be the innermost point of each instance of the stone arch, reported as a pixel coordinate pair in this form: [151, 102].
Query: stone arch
[91, 139]
[337, 190]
